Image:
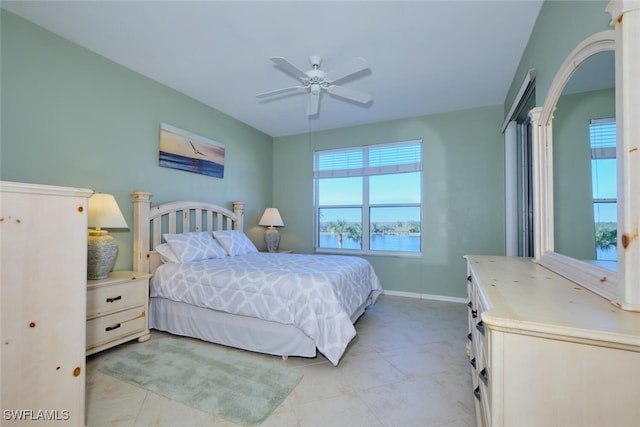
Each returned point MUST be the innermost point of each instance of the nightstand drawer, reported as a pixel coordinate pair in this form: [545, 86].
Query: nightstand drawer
[109, 328]
[109, 299]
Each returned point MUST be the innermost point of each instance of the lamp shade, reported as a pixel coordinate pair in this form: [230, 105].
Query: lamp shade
[104, 212]
[271, 217]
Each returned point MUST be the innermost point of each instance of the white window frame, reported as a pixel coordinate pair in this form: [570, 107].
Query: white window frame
[365, 172]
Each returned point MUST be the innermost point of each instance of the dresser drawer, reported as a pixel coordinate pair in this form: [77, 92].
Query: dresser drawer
[109, 328]
[108, 299]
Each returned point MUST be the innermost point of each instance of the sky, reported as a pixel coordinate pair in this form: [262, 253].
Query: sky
[388, 189]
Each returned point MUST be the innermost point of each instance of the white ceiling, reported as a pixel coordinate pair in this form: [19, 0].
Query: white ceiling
[425, 57]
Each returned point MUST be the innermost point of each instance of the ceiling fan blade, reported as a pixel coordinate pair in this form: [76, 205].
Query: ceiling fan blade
[345, 70]
[313, 104]
[350, 94]
[279, 91]
[289, 67]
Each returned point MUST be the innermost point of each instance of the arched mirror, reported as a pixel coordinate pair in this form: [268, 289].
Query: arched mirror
[587, 164]
[562, 168]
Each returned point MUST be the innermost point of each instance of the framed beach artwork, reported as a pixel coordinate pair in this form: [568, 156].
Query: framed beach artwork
[186, 151]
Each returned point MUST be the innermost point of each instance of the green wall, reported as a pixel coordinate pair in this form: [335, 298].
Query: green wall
[463, 193]
[73, 118]
[560, 27]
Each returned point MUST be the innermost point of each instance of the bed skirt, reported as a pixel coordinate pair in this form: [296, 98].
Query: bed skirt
[247, 333]
[232, 330]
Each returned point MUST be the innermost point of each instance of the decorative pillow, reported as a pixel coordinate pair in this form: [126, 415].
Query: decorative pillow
[194, 246]
[235, 242]
[166, 254]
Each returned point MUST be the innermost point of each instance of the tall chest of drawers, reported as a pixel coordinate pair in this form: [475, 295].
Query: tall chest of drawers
[545, 352]
[43, 271]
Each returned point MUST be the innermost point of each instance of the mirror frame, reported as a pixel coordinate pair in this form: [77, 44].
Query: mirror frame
[621, 287]
[602, 281]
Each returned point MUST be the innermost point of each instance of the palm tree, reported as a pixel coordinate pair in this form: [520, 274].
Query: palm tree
[339, 227]
[342, 227]
[354, 231]
[606, 238]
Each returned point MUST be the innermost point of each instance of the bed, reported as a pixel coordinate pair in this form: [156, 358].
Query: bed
[224, 291]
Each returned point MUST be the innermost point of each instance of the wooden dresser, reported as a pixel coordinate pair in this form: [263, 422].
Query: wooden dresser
[43, 276]
[117, 310]
[546, 352]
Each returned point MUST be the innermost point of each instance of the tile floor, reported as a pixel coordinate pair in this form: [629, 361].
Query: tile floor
[406, 367]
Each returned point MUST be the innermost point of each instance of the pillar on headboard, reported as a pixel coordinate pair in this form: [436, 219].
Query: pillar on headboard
[141, 206]
[238, 209]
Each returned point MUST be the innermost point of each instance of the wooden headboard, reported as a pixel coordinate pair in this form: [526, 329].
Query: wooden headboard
[149, 223]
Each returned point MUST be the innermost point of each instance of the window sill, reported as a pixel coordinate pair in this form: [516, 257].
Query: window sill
[368, 253]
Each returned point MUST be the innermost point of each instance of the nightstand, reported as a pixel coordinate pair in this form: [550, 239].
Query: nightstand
[117, 310]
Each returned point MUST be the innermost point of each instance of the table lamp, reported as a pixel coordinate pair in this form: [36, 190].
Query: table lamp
[271, 218]
[102, 248]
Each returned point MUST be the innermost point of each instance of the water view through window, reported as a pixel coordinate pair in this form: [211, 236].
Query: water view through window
[391, 228]
[378, 243]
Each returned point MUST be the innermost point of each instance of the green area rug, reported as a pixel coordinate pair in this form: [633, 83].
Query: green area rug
[226, 384]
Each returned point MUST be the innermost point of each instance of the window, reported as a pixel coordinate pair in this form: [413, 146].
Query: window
[369, 199]
[602, 133]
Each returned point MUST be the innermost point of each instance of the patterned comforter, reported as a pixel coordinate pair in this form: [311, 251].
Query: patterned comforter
[316, 293]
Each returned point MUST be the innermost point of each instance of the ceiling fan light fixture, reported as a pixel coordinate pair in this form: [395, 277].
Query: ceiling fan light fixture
[315, 89]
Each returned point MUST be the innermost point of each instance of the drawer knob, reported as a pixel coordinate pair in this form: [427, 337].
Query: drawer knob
[476, 392]
[473, 362]
[474, 313]
[480, 327]
[469, 336]
[114, 299]
[483, 376]
[111, 328]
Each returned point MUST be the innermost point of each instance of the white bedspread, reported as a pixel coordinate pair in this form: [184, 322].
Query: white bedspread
[316, 293]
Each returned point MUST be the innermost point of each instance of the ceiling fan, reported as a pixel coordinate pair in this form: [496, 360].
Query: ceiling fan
[316, 80]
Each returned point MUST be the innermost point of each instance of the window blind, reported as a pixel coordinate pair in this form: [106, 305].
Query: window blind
[378, 159]
[602, 134]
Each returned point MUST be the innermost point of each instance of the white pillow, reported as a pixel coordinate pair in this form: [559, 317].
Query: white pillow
[235, 242]
[194, 246]
[166, 254]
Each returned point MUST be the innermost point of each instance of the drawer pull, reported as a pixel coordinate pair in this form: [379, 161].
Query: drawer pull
[470, 304]
[476, 392]
[469, 278]
[474, 313]
[111, 328]
[483, 376]
[473, 362]
[480, 327]
[114, 299]
[469, 336]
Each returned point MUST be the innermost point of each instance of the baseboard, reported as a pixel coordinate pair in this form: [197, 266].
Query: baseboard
[425, 296]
